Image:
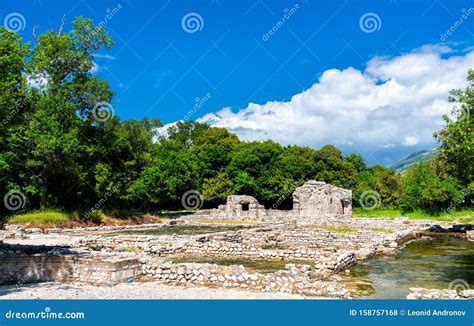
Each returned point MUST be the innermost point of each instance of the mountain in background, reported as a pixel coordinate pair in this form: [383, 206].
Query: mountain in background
[412, 159]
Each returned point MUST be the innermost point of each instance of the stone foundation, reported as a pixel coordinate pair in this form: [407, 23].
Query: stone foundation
[21, 266]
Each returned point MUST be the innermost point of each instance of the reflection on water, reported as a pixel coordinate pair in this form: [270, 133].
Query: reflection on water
[425, 263]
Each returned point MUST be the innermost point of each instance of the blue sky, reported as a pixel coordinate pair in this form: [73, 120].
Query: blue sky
[298, 77]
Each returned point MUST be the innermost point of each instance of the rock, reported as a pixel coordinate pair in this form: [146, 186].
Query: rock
[467, 294]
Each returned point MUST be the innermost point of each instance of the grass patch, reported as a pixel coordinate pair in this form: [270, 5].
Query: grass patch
[252, 265]
[130, 249]
[334, 229]
[181, 211]
[179, 230]
[63, 219]
[463, 216]
[274, 246]
[246, 222]
[46, 217]
[388, 231]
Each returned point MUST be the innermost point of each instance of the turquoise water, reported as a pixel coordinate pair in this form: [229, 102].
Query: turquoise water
[425, 263]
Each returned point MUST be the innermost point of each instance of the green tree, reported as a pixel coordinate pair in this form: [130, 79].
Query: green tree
[457, 136]
[357, 162]
[213, 149]
[186, 132]
[331, 167]
[15, 108]
[162, 183]
[423, 188]
[216, 189]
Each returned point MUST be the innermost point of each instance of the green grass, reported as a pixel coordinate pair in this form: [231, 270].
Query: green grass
[179, 230]
[226, 221]
[463, 216]
[252, 265]
[334, 229]
[130, 249]
[39, 217]
[388, 231]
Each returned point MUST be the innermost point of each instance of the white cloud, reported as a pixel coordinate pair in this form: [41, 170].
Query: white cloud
[104, 56]
[396, 101]
[95, 68]
[410, 141]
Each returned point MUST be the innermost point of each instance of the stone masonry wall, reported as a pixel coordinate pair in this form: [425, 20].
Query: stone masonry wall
[42, 267]
[294, 278]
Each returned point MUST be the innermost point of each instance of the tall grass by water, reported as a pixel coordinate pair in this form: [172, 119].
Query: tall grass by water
[462, 215]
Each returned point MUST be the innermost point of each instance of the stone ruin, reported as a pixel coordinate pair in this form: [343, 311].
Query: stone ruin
[317, 198]
[242, 206]
[313, 199]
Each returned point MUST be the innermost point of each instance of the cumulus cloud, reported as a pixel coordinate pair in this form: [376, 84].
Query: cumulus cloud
[393, 102]
[410, 141]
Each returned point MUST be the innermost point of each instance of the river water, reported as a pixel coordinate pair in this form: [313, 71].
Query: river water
[434, 263]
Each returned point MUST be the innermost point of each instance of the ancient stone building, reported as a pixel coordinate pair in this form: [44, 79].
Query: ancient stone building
[317, 198]
[242, 206]
[313, 199]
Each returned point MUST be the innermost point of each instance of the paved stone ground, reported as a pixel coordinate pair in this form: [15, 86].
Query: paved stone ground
[148, 290]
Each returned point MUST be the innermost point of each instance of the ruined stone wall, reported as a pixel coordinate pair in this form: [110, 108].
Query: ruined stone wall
[17, 268]
[317, 198]
[313, 199]
[295, 278]
[328, 262]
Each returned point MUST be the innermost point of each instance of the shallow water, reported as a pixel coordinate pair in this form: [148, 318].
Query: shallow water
[425, 263]
[181, 230]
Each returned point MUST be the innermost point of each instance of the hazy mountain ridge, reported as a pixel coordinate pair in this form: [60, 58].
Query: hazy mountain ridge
[414, 158]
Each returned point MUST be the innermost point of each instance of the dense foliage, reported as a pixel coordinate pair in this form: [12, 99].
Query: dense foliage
[57, 152]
